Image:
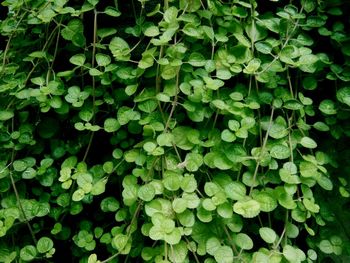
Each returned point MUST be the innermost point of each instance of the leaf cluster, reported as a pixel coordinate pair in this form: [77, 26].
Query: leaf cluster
[181, 131]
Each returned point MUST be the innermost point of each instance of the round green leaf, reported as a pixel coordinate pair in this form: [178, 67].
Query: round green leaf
[328, 107]
[247, 208]
[243, 241]
[172, 182]
[280, 152]
[103, 59]
[179, 205]
[151, 31]
[109, 204]
[78, 195]
[146, 192]
[174, 237]
[44, 245]
[19, 165]
[78, 59]
[225, 210]
[120, 241]
[267, 201]
[268, 234]
[28, 253]
[224, 255]
[6, 115]
[212, 245]
[188, 184]
[307, 142]
[290, 253]
[343, 95]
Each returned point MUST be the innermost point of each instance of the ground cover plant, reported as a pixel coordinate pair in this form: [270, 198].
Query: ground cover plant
[174, 131]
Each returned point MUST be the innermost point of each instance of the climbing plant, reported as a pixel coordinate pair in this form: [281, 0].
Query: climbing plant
[174, 131]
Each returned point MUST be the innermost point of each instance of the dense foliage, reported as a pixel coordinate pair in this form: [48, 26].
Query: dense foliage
[176, 131]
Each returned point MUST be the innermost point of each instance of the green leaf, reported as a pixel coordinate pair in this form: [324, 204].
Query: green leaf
[326, 246]
[120, 49]
[196, 59]
[29, 173]
[266, 200]
[188, 184]
[268, 234]
[178, 253]
[292, 105]
[112, 11]
[209, 32]
[192, 31]
[343, 95]
[169, 72]
[78, 60]
[252, 66]
[263, 47]
[146, 192]
[28, 253]
[212, 245]
[278, 131]
[19, 165]
[280, 152]
[192, 6]
[247, 208]
[93, 258]
[307, 142]
[103, 60]
[235, 190]
[243, 241]
[165, 139]
[321, 126]
[170, 14]
[172, 181]
[109, 204]
[179, 205]
[99, 187]
[78, 195]
[174, 237]
[95, 72]
[228, 136]
[325, 182]
[149, 147]
[111, 125]
[6, 115]
[120, 241]
[224, 255]
[106, 32]
[290, 253]
[44, 245]
[328, 107]
[151, 31]
[193, 161]
[310, 83]
[74, 32]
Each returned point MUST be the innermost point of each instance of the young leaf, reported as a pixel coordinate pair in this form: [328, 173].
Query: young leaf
[44, 245]
[268, 234]
[224, 255]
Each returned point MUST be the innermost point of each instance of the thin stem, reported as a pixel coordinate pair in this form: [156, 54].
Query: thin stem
[7, 47]
[262, 150]
[193, 253]
[13, 183]
[93, 85]
[231, 241]
[137, 211]
[283, 232]
[174, 103]
[284, 44]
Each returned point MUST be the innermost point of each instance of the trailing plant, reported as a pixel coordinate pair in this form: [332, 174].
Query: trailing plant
[175, 131]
